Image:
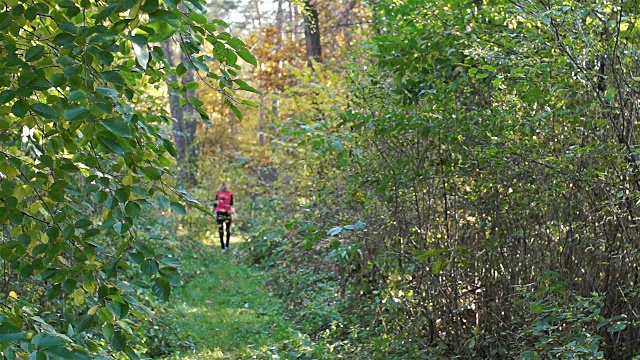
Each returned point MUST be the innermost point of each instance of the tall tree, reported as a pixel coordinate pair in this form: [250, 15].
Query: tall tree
[183, 117]
[312, 32]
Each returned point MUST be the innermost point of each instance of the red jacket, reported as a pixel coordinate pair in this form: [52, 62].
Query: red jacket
[224, 200]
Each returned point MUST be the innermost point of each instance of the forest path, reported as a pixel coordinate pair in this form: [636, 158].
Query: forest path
[225, 307]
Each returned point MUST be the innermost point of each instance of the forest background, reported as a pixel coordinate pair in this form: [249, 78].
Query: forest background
[422, 179]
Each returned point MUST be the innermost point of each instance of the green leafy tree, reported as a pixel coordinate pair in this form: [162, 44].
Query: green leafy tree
[84, 156]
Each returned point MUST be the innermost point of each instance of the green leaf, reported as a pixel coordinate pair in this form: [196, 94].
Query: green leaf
[10, 332]
[5, 124]
[163, 202]
[20, 108]
[63, 39]
[133, 209]
[545, 19]
[247, 56]
[107, 317]
[161, 288]
[249, 103]
[246, 87]
[119, 309]
[58, 80]
[236, 111]
[76, 112]
[83, 223]
[150, 6]
[617, 327]
[105, 58]
[142, 54]
[69, 285]
[45, 111]
[77, 95]
[166, 17]
[106, 12]
[117, 126]
[236, 43]
[17, 10]
[532, 95]
[120, 26]
[161, 31]
[16, 217]
[179, 208]
[111, 143]
[108, 92]
[131, 353]
[149, 267]
[112, 77]
[123, 194]
[72, 11]
[11, 202]
[168, 144]
[67, 27]
[181, 69]
[192, 85]
[6, 96]
[199, 18]
[118, 341]
[5, 20]
[152, 172]
[230, 57]
[34, 53]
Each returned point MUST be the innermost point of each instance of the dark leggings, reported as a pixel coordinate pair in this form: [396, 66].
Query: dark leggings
[224, 220]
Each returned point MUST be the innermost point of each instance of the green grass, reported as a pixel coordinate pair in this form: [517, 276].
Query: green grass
[225, 307]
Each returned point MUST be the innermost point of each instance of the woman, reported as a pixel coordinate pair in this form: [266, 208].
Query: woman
[223, 204]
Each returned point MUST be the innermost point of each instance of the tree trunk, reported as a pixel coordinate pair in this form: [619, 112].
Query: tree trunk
[258, 18]
[261, 122]
[312, 33]
[233, 131]
[280, 17]
[293, 15]
[183, 122]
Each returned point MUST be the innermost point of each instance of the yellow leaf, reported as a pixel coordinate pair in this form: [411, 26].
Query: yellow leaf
[127, 180]
[35, 207]
[8, 170]
[148, 155]
[89, 286]
[93, 310]
[12, 294]
[78, 297]
[22, 192]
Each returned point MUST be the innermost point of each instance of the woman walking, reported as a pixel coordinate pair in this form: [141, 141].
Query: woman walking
[224, 209]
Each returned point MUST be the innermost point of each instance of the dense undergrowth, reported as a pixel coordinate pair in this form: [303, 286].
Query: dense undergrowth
[341, 321]
[347, 316]
[466, 186]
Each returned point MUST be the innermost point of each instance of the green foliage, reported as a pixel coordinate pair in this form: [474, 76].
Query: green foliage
[84, 159]
[562, 325]
[484, 145]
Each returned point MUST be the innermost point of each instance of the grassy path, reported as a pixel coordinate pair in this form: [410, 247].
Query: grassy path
[225, 307]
